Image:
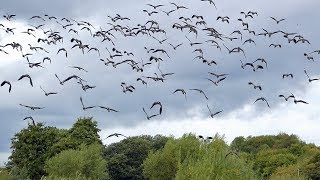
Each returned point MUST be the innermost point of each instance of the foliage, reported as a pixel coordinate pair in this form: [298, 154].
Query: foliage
[312, 169]
[32, 146]
[86, 162]
[190, 158]
[125, 157]
[29, 150]
[84, 131]
[4, 174]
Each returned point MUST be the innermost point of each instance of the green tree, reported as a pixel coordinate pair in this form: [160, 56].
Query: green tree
[267, 161]
[190, 158]
[29, 150]
[86, 162]
[84, 131]
[312, 169]
[125, 158]
[4, 174]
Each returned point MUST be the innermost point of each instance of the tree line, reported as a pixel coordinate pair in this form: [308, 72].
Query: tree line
[44, 152]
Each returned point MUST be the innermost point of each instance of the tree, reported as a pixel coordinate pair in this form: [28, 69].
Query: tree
[190, 158]
[84, 131]
[125, 158]
[312, 169]
[267, 161]
[29, 150]
[86, 162]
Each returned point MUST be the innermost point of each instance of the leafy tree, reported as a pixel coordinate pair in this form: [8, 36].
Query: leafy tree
[4, 174]
[190, 158]
[291, 172]
[126, 157]
[84, 131]
[267, 161]
[312, 169]
[29, 150]
[86, 163]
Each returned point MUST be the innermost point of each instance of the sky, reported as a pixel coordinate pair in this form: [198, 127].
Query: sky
[181, 114]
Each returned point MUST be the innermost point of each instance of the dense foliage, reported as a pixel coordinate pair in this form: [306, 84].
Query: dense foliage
[43, 152]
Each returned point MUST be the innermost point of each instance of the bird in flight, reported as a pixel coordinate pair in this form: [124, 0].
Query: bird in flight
[85, 108]
[31, 107]
[310, 79]
[47, 93]
[108, 109]
[151, 116]
[116, 135]
[6, 82]
[182, 91]
[159, 104]
[215, 113]
[262, 99]
[200, 91]
[26, 76]
[286, 98]
[276, 20]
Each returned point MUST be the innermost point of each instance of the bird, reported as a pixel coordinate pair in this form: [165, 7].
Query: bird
[299, 101]
[31, 118]
[218, 75]
[277, 21]
[249, 41]
[217, 81]
[182, 91]
[63, 49]
[255, 86]
[243, 65]
[286, 98]
[108, 109]
[159, 104]
[213, 114]
[150, 13]
[200, 91]
[287, 75]
[275, 45]
[6, 82]
[169, 12]
[179, 7]
[309, 79]
[79, 68]
[31, 107]
[85, 108]
[149, 117]
[155, 6]
[47, 93]
[26, 76]
[115, 134]
[175, 46]
[262, 99]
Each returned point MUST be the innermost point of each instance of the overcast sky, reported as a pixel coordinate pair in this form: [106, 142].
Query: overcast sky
[240, 115]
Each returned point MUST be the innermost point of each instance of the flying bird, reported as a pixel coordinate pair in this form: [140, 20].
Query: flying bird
[116, 135]
[26, 76]
[158, 103]
[200, 91]
[47, 93]
[182, 91]
[262, 99]
[215, 113]
[31, 107]
[276, 20]
[85, 108]
[151, 116]
[8, 83]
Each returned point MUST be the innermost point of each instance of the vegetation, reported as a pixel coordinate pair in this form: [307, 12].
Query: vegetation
[44, 152]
